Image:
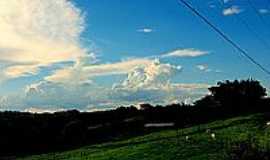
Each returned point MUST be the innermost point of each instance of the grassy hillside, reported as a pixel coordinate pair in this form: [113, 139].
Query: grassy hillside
[172, 145]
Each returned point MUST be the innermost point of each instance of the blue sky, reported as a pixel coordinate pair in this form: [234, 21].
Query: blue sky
[113, 24]
[96, 54]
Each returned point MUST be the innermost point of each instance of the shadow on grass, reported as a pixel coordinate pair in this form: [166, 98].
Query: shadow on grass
[179, 134]
[178, 137]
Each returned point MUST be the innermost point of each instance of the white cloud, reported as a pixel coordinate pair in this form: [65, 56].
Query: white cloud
[203, 67]
[232, 10]
[152, 84]
[152, 76]
[145, 30]
[263, 11]
[21, 70]
[79, 74]
[170, 93]
[185, 53]
[38, 33]
[98, 109]
[147, 82]
[48, 95]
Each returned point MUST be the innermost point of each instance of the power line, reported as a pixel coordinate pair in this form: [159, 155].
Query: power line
[250, 29]
[224, 36]
[258, 13]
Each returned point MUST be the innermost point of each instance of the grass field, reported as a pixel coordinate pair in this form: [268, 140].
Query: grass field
[172, 144]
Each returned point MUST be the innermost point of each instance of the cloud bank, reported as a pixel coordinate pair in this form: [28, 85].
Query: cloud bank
[145, 81]
[41, 33]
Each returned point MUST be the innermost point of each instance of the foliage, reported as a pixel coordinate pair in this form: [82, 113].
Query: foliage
[238, 95]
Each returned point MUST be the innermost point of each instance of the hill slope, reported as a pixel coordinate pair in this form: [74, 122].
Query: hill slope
[172, 144]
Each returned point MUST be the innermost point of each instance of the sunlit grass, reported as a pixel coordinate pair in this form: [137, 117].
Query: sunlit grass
[172, 145]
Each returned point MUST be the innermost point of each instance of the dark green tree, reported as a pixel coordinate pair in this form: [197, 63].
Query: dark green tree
[238, 95]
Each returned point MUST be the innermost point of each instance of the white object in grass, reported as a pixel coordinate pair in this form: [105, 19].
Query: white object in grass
[213, 135]
[187, 138]
[268, 123]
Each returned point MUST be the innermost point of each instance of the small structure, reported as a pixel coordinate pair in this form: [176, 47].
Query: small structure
[159, 125]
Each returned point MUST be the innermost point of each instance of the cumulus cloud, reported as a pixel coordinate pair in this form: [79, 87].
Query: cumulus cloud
[185, 53]
[171, 93]
[153, 75]
[145, 30]
[152, 84]
[37, 34]
[92, 99]
[232, 11]
[145, 81]
[81, 94]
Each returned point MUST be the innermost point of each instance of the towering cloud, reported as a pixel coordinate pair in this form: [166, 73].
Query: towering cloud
[155, 75]
[38, 33]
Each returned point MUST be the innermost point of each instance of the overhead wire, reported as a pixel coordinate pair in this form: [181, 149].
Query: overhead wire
[249, 28]
[258, 14]
[224, 36]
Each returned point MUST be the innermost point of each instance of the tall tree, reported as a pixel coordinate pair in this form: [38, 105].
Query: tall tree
[238, 95]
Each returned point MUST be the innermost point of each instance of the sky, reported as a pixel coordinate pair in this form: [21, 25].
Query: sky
[95, 55]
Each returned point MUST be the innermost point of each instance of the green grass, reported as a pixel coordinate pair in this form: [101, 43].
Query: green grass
[170, 145]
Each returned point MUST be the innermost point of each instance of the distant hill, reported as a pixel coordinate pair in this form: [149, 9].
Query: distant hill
[243, 137]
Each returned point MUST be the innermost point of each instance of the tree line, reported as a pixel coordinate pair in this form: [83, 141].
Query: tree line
[27, 133]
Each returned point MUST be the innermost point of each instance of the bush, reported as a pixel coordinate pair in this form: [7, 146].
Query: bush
[247, 151]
